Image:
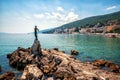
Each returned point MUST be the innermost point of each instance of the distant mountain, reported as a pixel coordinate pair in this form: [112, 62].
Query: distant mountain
[4, 33]
[88, 21]
[45, 30]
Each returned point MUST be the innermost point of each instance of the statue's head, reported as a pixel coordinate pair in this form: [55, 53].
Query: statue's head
[35, 26]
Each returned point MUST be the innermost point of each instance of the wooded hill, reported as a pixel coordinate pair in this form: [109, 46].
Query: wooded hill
[89, 22]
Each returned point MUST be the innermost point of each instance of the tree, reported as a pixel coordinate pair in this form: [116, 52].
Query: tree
[76, 29]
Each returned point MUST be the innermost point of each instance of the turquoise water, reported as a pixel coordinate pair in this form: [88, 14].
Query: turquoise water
[90, 47]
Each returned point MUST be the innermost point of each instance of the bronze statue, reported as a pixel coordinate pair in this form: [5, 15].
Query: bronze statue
[35, 32]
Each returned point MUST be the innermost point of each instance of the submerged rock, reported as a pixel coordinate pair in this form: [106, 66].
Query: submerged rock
[7, 76]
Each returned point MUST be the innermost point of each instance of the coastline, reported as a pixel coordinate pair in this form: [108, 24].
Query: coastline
[110, 35]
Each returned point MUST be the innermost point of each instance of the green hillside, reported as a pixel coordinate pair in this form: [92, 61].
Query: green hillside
[90, 21]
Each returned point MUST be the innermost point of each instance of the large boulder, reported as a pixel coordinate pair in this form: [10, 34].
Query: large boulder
[7, 76]
[20, 58]
[32, 72]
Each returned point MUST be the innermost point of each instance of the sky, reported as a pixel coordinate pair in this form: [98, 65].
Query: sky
[20, 16]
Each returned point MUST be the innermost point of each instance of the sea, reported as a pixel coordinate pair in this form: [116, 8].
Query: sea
[90, 47]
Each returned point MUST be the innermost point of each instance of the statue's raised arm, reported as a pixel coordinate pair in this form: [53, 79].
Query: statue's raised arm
[35, 32]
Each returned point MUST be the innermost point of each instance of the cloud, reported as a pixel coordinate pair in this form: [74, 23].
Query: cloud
[71, 17]
[111, 8]
[27, 17]
[60, 9]
[57, 16]
[39, 15]
[24, 18]
[68, 17]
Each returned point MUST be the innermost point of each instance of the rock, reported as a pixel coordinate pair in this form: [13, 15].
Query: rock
[63, 74]
[99, 63]
[50, 78]
[7, 76]
[32, 72]
[74, 52]
[49, 67]
[20, 58]
[57, 61]
[113, 67]
[56, 49]
[8, 55]
[36, 48]
[63, 51]
[60, 66]
[95, 78]
[22, 49]
[102, 63]
[0, 68]
[113, 36]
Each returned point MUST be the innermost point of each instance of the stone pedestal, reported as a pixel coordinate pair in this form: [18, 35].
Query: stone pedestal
[36, 48]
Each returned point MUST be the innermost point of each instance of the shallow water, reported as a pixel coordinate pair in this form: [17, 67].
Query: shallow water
[90, 47]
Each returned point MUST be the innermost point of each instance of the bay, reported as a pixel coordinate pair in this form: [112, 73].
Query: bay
[90, 47]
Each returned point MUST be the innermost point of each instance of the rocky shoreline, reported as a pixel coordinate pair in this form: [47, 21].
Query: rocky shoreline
[109, 35]
[112, 35]
[56, 65]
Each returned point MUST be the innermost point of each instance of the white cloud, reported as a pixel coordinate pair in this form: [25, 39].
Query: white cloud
[60, 9]
[39, 15]
[71, 17]
[60, 17]
[111, 8]
[24, 18]
[56, 18]
[65, 18]
[28, 17]
[57, 15]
